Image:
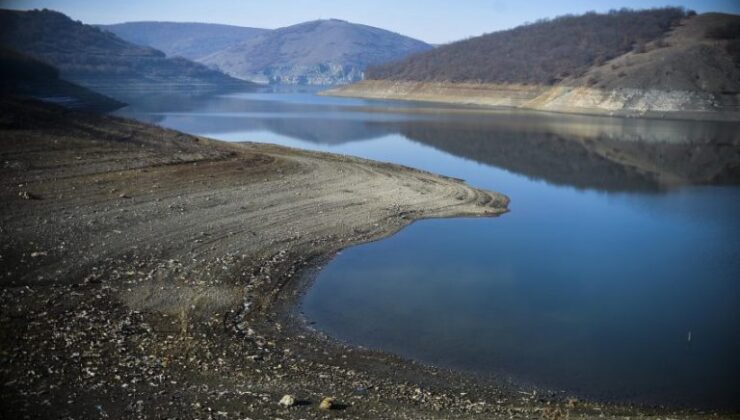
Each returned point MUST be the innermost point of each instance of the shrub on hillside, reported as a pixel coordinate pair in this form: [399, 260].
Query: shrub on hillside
[538, 53]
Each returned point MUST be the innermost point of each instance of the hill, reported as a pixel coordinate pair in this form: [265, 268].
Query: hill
[24, 76]
[321, 52]
[541, 53]
[702, 54]
[101, 61]
[649, 62]
[189, 40]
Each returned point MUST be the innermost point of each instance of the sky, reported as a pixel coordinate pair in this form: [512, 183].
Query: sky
[433, 21]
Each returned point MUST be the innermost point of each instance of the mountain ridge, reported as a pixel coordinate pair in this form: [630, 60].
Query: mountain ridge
[101, 61]
[318, 52]
[191, 40]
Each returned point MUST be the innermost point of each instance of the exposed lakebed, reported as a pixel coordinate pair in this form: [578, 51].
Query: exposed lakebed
[614, 275]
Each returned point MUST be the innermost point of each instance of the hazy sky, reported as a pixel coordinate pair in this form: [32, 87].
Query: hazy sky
[435, 21]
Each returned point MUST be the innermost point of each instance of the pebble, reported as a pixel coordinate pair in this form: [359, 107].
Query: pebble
[327, 403]
[27, 195]
[287, 400]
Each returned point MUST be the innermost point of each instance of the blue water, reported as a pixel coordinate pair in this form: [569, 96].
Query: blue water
[590, 285]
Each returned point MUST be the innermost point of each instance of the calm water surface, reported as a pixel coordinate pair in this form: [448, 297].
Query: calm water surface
[592, 284]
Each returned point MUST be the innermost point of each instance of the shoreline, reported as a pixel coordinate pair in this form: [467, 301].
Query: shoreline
[624, 103]
[150, 273]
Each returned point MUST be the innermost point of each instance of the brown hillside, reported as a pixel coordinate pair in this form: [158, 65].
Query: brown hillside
[702, 54]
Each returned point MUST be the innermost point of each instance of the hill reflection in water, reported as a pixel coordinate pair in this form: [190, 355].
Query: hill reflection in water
[602, 153]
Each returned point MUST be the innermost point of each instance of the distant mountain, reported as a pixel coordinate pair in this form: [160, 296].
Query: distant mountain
[24, 76]
[321, 52]
[189, 40]
[101, 61]
[622, 62]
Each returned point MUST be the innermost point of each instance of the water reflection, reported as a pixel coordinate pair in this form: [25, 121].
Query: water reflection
[587, 156]
[609, 154]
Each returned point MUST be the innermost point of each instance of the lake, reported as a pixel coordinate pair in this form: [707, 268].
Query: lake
[616, 274]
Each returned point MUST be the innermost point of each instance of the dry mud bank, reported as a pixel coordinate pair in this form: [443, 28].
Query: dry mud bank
[564, 99]
[151, 274]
